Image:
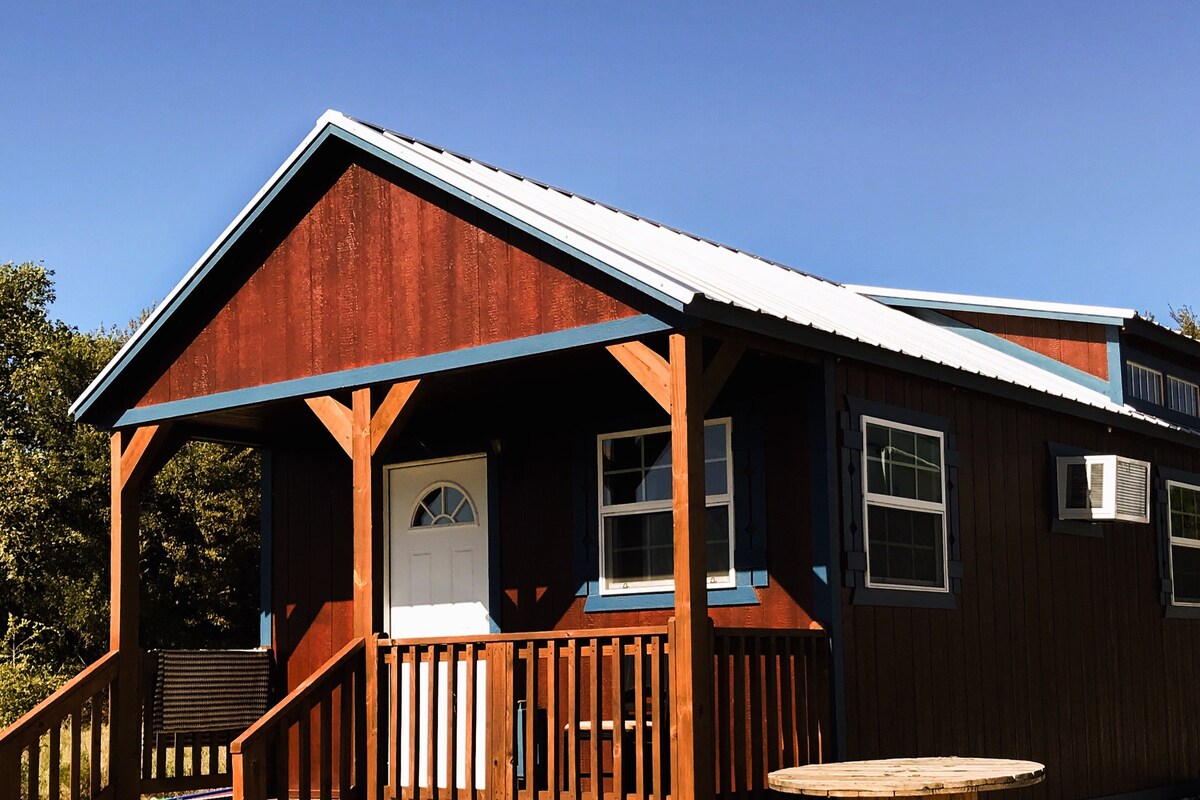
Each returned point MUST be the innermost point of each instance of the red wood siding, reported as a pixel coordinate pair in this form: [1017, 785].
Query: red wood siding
[312, 563]
[374, 273]
[1079, 344]
[1058, 650]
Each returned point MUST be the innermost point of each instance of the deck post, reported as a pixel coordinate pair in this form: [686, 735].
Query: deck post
[134, 456]
[692, 727]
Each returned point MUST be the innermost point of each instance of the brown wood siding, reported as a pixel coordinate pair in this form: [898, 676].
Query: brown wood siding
[1079, 344]
[1058, 650]
[376, 273]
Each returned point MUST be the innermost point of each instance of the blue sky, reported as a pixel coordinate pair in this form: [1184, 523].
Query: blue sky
[1040, 150]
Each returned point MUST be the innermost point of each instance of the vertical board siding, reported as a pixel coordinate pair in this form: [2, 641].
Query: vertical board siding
[1057, 650]
[374, 273]
[1078, 344]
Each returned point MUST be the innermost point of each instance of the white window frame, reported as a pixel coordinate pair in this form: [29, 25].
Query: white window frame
[1195, 389]
[1162, 388]
[1173, 542]
[624, 509]
[870, 498]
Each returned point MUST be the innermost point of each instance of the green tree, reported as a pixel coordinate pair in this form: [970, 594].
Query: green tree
[1186, 319]
[199, 547]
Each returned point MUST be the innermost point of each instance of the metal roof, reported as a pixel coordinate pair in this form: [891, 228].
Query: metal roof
[680, 266]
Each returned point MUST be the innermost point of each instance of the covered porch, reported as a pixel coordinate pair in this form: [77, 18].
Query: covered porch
[568, 692]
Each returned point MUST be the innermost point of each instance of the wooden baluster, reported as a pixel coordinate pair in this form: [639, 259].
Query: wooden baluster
[76, 761]
[639, 716]
[431, 720]
[35, 768]
[722, 716]
[452, 720]
[798, 711]
[618, 720]
[469, 728]
[595, 721]
[283, 751]
[573, 719]
[552, 726]
[661, 736]
[391, 660]
[95, 759]
[304, 754]
[10, 771]
[757, 765]
[325, 746]
[346, 729]
[530, 713]
[54, 762]
[413, 659]
[773, 706]
[740, 721]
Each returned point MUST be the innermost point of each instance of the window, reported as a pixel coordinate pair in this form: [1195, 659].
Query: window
[1183, 505]
[1145, 383]
[904, 500]
[1183, 396]
[444, 504]
[636, 526]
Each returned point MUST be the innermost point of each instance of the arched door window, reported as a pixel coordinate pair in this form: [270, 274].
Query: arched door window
[443, 504]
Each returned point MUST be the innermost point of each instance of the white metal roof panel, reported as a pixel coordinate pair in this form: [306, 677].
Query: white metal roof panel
[681, 266]
[995, 302]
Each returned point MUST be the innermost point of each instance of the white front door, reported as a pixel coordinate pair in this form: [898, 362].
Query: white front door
[438, 543]
[437, 518]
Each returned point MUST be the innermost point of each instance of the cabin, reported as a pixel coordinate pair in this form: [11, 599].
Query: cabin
[561, 503]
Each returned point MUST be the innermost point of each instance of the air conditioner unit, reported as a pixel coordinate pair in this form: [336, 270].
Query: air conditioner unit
[1103, 488]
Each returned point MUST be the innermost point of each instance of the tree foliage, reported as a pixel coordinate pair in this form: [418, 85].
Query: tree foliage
[1186, 319]
[199, 543]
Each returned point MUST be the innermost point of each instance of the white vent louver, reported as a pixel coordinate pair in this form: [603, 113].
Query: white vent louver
[1098, 488]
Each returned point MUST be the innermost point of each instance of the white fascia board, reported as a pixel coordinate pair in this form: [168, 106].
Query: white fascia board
[994, 302]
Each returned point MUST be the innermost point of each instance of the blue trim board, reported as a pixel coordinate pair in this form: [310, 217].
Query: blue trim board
[600, 333]
[247, 223]
[947, 305]
[1003, 345]
[737, 596]
[1116, 366]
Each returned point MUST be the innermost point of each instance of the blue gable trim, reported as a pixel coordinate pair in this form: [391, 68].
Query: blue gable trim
[946, 305]
[1016, 351]
[600, 333]
[1116, 366]
[331, 131]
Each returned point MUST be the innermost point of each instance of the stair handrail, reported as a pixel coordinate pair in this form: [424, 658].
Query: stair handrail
[51, 712]
[248, 751]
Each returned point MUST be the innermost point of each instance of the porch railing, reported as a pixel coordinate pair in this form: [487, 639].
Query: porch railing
[274, 757]
[79, 709]
[771, 702]
[530, 716]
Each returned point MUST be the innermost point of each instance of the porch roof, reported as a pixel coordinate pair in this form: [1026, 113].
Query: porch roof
[685, 272]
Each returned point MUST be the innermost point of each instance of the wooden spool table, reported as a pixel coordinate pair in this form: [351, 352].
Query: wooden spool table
[948, 778]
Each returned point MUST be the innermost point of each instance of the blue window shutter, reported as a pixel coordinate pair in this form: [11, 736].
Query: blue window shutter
[585, 530]
[749, 496]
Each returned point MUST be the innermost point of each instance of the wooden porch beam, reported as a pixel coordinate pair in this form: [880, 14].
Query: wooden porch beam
[389, 417]
[647, 367]
[335, 417]
[692, 726]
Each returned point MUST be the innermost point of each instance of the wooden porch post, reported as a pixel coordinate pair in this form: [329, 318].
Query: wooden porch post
[134, 455]
[363, 435]
[692, 731]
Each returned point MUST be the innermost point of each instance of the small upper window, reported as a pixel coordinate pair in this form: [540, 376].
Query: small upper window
[905, 506]
[1183, 503]
[1145, 383]
[443, 504]
[1183, 396]
[637, 542]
